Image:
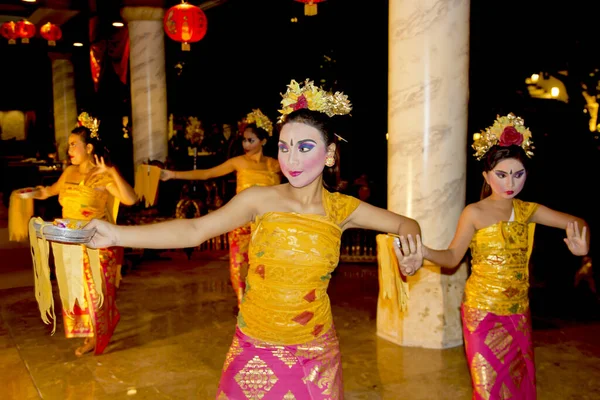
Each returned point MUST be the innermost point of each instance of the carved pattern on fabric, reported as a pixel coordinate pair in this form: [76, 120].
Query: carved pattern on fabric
[499, 340]
[233, 352]
[297, 250]
[473, 317]
[256, 379]
[500, 256]
[505, 393]
[484, 375]
[289, 396]
[518, 369]
[222, 396]
[285, 356]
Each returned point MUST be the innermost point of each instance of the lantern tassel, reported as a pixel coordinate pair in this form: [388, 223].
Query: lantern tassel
[185, 46]
[310, 9]
[51, 43]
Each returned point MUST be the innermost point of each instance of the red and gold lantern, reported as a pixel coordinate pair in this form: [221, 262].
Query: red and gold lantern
[185, 23]
[9, 31]
[310, 6]
[51, 33]
[25, 30]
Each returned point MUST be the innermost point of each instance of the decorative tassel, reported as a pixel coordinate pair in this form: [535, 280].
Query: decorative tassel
[310, 9]
[391, 284]
[20, 212]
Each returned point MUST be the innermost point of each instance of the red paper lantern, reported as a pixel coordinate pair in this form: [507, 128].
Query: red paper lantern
[310, 6]
[51, 33]
[25, 30]
[9, 31]
[185, 23]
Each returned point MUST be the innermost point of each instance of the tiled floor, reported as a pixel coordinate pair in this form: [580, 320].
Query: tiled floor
[177, 322]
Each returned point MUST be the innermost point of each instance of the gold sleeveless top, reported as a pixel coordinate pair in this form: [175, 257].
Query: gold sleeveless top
[499, 280]
[291, 259]
[86, 201]
[246, 178]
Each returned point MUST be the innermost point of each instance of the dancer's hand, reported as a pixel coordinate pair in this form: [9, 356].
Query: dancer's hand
[577, 241]
[41, 193]
[100, 167]
[165, 174]
[106, 235]
[409, 254]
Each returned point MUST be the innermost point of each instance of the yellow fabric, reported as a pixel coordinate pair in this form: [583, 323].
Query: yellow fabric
[499, 280]
[391, 284]
[20, 212]
[291, 259]
[41, 273]
[246, 178]
[146, 183]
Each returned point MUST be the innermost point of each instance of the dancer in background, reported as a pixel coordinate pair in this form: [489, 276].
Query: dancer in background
[88, 189]
[252, 168]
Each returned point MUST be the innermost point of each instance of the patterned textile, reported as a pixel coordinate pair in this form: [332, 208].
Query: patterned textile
[97, 317]
[500, 354]
[495, 310]
[292, 257]
[256, 370]
[99, 321]
[240, 237]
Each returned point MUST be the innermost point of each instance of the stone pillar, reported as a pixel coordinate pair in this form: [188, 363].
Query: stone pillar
[148, 83]
[65, 104]
[427, 149]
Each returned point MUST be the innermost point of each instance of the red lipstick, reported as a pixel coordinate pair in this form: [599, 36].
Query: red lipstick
[295, 173]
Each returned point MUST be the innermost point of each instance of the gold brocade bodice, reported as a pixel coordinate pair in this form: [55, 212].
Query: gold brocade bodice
[246, 178]
[499, 280]
[87, 200]
[291, 259]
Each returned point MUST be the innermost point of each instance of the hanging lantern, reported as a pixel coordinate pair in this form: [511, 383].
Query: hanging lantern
[185, 23]
[9, 31]
[51, 33]
[25, 30]
[310, 6]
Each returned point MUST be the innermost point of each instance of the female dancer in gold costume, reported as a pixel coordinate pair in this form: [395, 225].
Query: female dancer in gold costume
[251, 169]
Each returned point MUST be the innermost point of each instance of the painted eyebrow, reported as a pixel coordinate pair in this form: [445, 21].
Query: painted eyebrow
[511, 173]
[284, 142]
[307, 141]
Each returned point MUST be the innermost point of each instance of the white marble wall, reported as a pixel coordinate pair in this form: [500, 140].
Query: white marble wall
[427, 150]
[148, 83]
[65, 105]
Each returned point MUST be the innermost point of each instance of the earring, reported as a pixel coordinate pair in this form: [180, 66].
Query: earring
[329, 160]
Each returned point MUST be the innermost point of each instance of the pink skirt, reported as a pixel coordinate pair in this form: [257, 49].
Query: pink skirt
[255, 369]
[500, 354]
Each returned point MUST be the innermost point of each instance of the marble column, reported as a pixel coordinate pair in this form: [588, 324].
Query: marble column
[427, 150]
[148, 83]
[65, 104]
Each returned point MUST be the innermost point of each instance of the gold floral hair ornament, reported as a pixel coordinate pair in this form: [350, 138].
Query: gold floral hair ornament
[314, 98]
[92, 124]
[506, 131]
[259, 119]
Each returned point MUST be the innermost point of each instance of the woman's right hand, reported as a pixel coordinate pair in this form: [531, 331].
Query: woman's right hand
[166, 174]
[41, 193]
[106, 235]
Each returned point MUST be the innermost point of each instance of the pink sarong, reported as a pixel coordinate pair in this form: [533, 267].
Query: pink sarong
[255, 369]
[500, 354]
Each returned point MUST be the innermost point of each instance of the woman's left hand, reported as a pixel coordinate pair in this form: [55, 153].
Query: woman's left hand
[100, 167]
[575, 240]
[409, 254]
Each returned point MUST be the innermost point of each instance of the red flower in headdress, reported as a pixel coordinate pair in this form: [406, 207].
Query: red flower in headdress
[301, 103]
[510, 136]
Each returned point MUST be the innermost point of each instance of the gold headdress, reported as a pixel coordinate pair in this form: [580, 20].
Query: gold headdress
[314, 98]
[259, 119]
[92, 124]
[506, 131]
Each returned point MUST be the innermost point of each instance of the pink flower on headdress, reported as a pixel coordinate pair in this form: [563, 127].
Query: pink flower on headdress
[510, 136]
[301, 103]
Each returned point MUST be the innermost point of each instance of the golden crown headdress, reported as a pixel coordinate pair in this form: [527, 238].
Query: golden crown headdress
[92, 124]
[259, 119]
[314, 98]
[506, 131]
